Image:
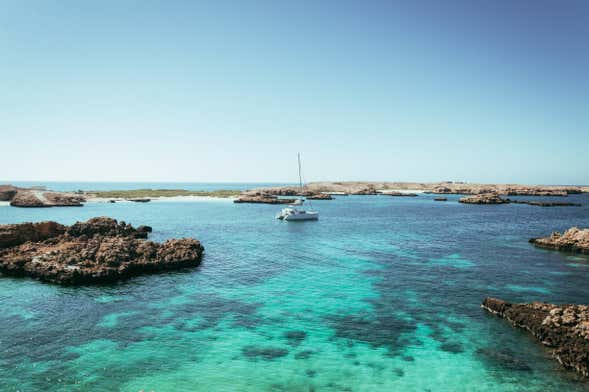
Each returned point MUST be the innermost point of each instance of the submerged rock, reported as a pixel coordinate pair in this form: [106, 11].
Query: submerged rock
[564, 328]
[264, 353]
[573, 240]
[484, 198]
[99, 250]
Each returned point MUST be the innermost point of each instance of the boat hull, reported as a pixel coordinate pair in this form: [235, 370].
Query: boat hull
[302, 217]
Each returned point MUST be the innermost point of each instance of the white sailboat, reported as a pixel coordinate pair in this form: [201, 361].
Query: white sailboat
[294, 214]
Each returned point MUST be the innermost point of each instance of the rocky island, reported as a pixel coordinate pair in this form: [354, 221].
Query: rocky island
[262, 198]
[39, 197]
[484, 198]
[564, 328]
[97, 251]
[446, 187]
[573, 240]
[494, 198]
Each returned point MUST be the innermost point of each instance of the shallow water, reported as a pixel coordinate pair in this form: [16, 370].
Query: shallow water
[380, 294]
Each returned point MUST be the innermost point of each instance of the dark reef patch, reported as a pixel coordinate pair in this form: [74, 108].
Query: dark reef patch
[304, 354]
[295, 337]
[452, 347]
[264, 353]
[380, 331]
[502, 358]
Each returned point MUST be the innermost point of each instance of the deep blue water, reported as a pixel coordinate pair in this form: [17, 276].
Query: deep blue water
[380, 294]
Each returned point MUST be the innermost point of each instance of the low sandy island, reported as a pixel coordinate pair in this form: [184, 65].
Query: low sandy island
[161, 198]
[41, 197]
[448, 187]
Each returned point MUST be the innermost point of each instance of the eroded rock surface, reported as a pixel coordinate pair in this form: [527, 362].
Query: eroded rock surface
[12, 235]
[573, 240]
[485, 198]
[7, 192]
[99, 250]
[39, 198]
[564, 328]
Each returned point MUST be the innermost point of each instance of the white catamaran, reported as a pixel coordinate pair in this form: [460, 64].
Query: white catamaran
[293, 214]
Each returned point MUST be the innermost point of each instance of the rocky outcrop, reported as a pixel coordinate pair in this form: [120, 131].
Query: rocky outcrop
[7, 192]
[538, 192]
[107, 227]
[564, 328]
[485, 198]
[12, 235]
[365, 191]
[319, 196]
[262, 199]
[99, 250]
[573, 240]
[38, 198]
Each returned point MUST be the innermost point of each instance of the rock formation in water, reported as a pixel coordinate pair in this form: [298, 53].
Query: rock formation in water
[573, 240]
[13, 235]
[365, 191]
[319, 196]
[399, 194]
[99, 250]
[262, 198]
[485, 198]
[38, 198]
[564, 328]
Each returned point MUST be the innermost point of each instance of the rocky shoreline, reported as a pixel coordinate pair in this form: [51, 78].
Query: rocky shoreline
[564, 328]
[494, 198]
[573, 240]
[447, 187]
[100, 250]
[40, 197]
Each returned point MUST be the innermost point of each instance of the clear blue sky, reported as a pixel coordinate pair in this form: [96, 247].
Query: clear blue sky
[481, 91]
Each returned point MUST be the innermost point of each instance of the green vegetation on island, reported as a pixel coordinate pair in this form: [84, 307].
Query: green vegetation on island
[152, 193]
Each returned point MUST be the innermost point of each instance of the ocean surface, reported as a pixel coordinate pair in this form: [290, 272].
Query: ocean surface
[380, 294]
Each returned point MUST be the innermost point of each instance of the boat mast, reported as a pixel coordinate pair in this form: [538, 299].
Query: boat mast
[300, 177]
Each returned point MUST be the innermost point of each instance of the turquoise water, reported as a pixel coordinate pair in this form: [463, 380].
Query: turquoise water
[380, 294]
